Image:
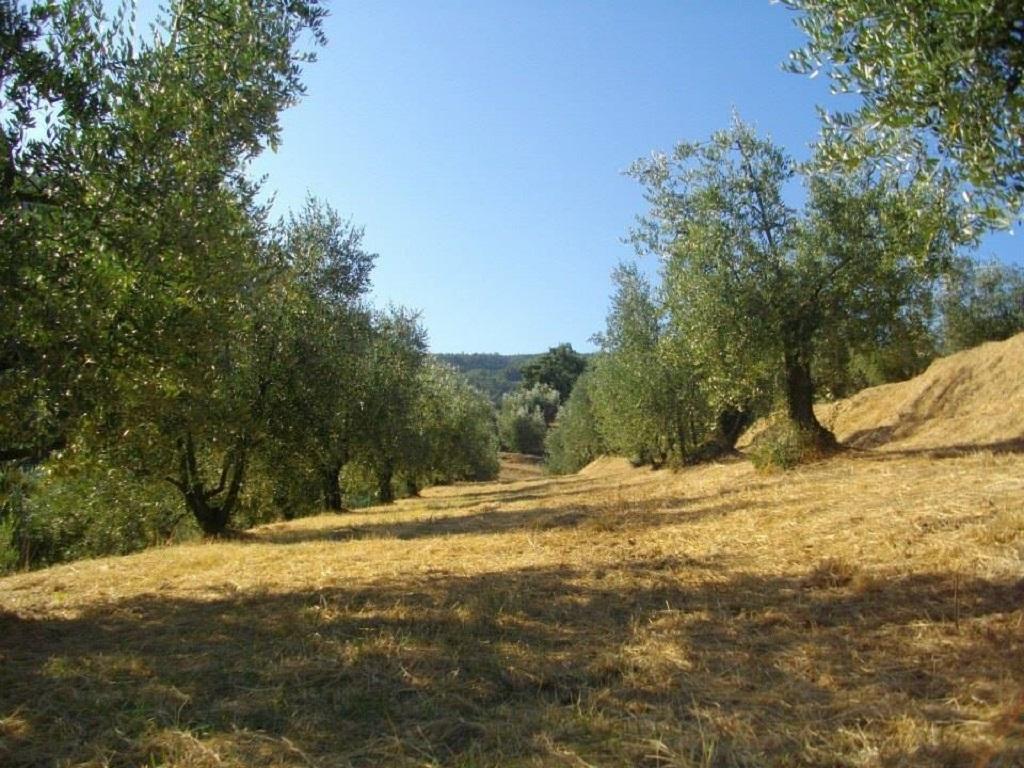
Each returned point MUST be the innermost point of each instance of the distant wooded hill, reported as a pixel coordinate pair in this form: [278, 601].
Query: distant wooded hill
[492, 374]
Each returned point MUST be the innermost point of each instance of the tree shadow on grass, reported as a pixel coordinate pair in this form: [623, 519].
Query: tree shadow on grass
[544, 488]
[951, 451]
[653, 664]
[610, 516]
[876, 439]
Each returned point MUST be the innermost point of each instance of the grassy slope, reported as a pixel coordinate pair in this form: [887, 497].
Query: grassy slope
[864, 611]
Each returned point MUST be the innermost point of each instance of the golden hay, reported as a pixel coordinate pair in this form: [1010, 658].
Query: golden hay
[867, 610]
[604, 465]
[970, 399]
[520, 466]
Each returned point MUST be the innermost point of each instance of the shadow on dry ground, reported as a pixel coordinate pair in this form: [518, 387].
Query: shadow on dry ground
[551, 666]
[491, 520]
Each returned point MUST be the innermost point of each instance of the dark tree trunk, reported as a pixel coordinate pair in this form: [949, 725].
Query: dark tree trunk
[385, 493]
[800, 401]
[731, 423]
[729, 426]
[213, 517]
[412, 488]
[332, 488]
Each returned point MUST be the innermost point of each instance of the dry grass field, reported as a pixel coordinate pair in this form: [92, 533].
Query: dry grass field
[867, 610]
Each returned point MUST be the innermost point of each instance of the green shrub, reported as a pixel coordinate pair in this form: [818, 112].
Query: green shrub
[783, 445]
[574, 440]
[15, 484]
[524, 418]
[93, 509]
[9, 556]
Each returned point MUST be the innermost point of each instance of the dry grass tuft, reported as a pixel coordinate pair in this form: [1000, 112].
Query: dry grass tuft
[831, 572]
[867, 610]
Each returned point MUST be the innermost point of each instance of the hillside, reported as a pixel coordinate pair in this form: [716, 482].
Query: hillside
[968, 400]
[867, 610]
[491, 373]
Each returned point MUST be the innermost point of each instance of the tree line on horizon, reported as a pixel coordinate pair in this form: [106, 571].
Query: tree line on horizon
[492, 373]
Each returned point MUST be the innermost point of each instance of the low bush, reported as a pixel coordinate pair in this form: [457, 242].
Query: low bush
[783, 445]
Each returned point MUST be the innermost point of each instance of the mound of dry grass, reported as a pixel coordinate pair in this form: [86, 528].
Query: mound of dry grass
[864, 611]
[970, 399]
[605, 465]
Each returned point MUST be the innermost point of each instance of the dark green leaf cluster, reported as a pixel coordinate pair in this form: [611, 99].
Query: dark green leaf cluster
[558, 368]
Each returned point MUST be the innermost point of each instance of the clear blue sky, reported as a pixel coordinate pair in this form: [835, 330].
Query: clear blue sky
[482, 144]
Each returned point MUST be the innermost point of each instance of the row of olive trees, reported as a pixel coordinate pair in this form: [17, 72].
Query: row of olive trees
[643, 397]
[157, 331]
[763, 305]
[755, 291]
[764, 302]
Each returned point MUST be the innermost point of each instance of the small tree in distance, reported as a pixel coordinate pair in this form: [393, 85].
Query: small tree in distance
[982, 302]
[524, 418]
[558, 368]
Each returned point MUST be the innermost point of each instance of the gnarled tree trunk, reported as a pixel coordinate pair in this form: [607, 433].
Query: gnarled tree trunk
[412, 487]
[333, 499]
[729, 426]
[213, 516]
[800, 400]
[385, 493]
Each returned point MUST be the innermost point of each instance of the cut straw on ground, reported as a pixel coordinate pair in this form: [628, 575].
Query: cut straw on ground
[867, 610]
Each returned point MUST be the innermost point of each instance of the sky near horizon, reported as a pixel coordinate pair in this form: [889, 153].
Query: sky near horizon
[482, 144]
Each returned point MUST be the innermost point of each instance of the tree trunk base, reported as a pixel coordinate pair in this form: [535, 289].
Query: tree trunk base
[820, 439]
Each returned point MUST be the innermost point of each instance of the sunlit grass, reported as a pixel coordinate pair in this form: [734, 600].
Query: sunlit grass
[867, 610]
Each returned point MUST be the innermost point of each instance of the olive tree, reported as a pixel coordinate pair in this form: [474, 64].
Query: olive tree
[575, 440]
[389, 440]
[524, 418]
[558, 368]
[454, 430]
[318, 410]
[755, 286]
[646, 398]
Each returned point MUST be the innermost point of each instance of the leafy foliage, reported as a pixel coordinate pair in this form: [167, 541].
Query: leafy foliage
[456, 429]
[755, 288]
[574, 439]
[982, 302]
[524, 418]
[558, 368]
[783, 445]
[646, 395]
[158, 337]
[947, 71]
